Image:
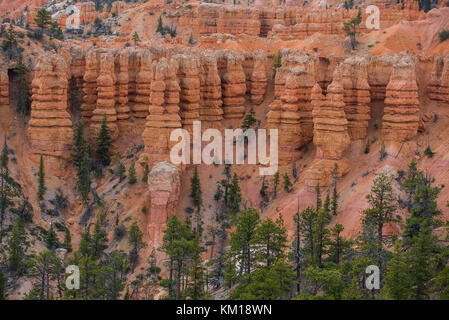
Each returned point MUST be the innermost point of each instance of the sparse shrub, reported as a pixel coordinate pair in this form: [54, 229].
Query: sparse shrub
[443, 34]
[428, 152]
[367, 147]
[382, 152]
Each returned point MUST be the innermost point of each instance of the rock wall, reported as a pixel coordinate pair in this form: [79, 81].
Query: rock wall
[211, 111]
[233, 85]
[163, 112]
[143, 85]
[356, 95]
[401, 113]
[105, 103]
[4, 87]
[122, 85]
[331, 136]
[89, 86]
[258, 80]
[438, 88]
[50, 130]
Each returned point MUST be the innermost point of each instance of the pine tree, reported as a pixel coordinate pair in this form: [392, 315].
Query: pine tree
[135, 38]
[287, 183]
[44, 267]
[335, 195]
[275, 184]
[67, 240]
[234, 196]
[41, 182]
[318, 196]
[277, 62]
[51, 240]
[271, 239]
[195, 190]
[16, 247]
[350, 28]
[382, 208]
[411, 182]
[99, 241]
[9, 189]
[3, 286]
[243, 240]
[249, 120]
[146, 171]
[322, 236]
[43, 19]
[136, 243]
[327, 201]
[104, 142]
[160, 26]
[132, 179]
[308, 219]
[397, 277]
[263, 192]
[196, 273]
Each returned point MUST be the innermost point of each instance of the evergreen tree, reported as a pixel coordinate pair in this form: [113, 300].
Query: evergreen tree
[327, 202]
[350, 28]
[43, 267]
[9, 189]
[243, 240]
[146, 171]
[196, 274]
[335, 195]
[81, 161]
[277, 62]
[234, 196]
[160, 26]
[67, 240]
[308, 219]
[271, 238]
[135, 241]
[132, 179]
[275, 184]
[16, 247]
[338, 245]
[411, 182]
[294, 172]
[104, 142]
[397, 277]
[43, 19]
[321, 234]
[113, 275]
[135, 38]
[287, 183]
[41, 182]
[99, 241]
[318, 196]
[51, 240]
[249, 120]
[263, 192]
[3, 286]
[195, 190]
[382, 207]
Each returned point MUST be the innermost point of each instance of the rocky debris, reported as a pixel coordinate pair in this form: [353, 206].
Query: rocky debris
[105, 97]
[401, 113]
[50, 128]
[233, 85]
[163, 112]
[211, 111]
[258, 80]
[356, 96]
[438, 88]
[143, 85]
[164, 189]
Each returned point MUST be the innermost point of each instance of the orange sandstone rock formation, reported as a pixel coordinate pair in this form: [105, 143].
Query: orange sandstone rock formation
[164, 188]
[105, 96]
[356, 95]
[258, 77]
[211, 111]
[163, 112]
[50, 128]
[401, 113]
[234, 86]
[143, 85]
[438, 88]
[122, 107]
